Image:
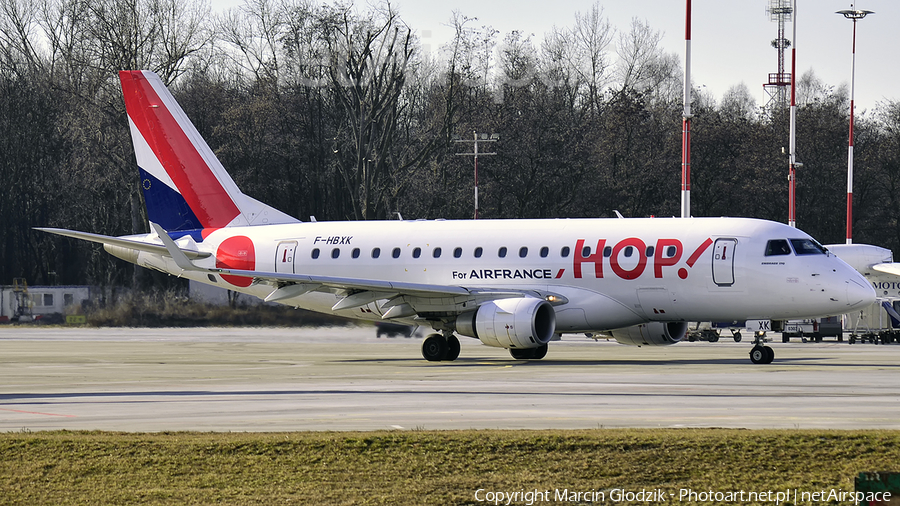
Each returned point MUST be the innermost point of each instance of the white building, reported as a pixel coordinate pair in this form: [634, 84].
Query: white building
[40, 300]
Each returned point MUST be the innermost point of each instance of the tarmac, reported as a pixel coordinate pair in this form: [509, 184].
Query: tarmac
[346, 378]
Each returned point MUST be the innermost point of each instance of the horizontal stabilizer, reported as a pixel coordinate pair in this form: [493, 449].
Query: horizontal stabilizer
[891, 268]
[121, 242]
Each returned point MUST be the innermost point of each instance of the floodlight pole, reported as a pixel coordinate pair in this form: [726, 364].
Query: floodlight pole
[792, 169]
[686, 120]
[476, 140]
[852, 15]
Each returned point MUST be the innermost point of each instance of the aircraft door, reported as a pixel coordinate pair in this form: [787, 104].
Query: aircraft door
[284, 256]
[723, 261]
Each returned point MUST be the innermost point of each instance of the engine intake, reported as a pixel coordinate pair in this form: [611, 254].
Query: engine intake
[510, 323]
[651, 334]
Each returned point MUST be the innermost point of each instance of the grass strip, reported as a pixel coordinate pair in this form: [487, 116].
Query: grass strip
[427, 467]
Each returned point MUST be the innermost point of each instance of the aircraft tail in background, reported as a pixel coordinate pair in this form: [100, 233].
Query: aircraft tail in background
[185, 186]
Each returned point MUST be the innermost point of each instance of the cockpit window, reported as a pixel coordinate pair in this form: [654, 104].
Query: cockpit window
[807, 247]
[777, 247]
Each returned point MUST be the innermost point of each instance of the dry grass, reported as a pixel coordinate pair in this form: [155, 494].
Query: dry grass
[424, 467]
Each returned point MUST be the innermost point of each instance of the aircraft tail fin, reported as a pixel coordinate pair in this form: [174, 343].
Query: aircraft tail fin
[185, 186]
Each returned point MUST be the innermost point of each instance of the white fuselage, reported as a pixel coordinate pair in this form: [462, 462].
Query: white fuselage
[611, 273]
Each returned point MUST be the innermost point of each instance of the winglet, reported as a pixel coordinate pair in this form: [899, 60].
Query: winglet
[181, 260]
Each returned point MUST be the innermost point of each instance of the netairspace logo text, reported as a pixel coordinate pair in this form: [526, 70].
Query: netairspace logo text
[684, 495]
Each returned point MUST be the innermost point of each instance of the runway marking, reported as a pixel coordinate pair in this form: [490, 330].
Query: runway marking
[37, 413]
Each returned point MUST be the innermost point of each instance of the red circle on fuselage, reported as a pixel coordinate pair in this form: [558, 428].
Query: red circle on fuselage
[236, 253]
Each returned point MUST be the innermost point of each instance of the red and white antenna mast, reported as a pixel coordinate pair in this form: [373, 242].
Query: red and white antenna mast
[854, 14]
[779, 11]
[686, 123]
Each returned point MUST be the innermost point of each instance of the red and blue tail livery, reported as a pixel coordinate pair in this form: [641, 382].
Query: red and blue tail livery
[513, 284]
[185, 187]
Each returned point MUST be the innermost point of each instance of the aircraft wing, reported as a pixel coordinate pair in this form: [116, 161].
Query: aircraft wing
[372, 285]
[888, 268]
[358, 292]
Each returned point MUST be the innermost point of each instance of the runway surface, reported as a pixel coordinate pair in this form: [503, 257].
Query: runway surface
[281, 379]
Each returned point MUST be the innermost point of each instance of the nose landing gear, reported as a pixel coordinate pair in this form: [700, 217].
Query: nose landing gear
[761, 354]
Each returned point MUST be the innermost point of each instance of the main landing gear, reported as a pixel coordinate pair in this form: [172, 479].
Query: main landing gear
[437, 347]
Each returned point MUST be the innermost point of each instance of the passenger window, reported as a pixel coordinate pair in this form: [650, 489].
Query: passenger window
[650, 250]
[777, 247]
[315, 253]
[544, 252]
[376, 252]
[396, 253]
[564, 252]
[355, 253]
[436, 253]
[478, 252]
[607, 251]
[457, 252]
[586, 252]
[417, 252]
[336, 252]
[807, 247]
[502, 252]
[523, 252]
[629, 250]
[670, 251]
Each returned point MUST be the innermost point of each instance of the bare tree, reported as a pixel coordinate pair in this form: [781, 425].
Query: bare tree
[370, 58]
[643, 66]
[592, 36]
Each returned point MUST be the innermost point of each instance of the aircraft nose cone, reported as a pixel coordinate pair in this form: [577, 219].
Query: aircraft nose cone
[859, 294]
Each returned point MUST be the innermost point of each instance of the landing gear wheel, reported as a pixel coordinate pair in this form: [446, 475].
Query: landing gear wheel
[452, 349]
[737, 337]
[770, 354]
[762, 355]
[434, 348]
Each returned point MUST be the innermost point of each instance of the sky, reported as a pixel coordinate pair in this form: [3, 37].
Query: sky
[730, 40]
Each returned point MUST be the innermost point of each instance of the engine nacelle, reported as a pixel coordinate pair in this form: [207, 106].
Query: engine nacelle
[519, 323]
[651, 334]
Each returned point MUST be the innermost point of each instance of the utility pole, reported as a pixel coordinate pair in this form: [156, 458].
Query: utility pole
[476, 139]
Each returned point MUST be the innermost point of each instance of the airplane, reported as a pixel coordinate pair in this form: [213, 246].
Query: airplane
[511, 284]
[877, 265]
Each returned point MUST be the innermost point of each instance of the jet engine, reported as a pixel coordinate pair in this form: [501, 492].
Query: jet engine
[651, 334]
[510, 323]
